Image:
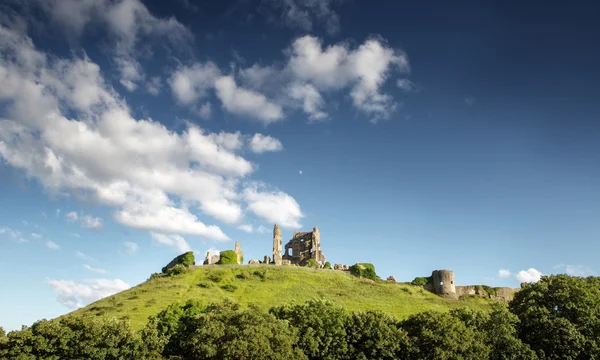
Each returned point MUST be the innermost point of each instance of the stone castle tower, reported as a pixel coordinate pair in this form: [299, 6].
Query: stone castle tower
[277, 242]
[316, 251]
[443, 283]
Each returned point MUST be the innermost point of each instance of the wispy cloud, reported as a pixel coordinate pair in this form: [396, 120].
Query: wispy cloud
[52, 245]
[13, 235]
[504, 273]
[83, 256]
[130, 247]
[72, 216]
[95, 270]
[90, 222]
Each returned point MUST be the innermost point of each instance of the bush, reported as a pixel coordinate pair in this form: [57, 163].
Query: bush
[229, 287]
[327, 266]
[364, 270]
[176, 270]
[312, 263]
[187, 259]
[422, 281]
[228, 257]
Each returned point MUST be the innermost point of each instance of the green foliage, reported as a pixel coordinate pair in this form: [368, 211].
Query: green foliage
[2, 332]
[364, 270]
[225, 331]
[374, 335]
[228, 257]
[75, 337]
[435, 335]
[177, 270]
[560, 317]
[497, 329]
[312, 263]
[186, 259]
[327, 266]
[321, 326]
[229, 287]
[421, 281]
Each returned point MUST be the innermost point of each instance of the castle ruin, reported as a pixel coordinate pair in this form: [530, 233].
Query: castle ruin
[304, 246]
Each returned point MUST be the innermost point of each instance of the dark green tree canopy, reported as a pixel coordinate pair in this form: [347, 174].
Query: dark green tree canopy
[560, 317]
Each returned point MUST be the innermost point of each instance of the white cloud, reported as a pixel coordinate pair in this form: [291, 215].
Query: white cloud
[130, 247]
[66, 127]
[300, 172]
[470, 100]
[529, 276]
[13, 234]
[246, 227]
[153, 86]
[365, 69]
[75, 295]
[52, 245]
[128, 22]
[83, 256]
[274, 206]
[44, 215]
[95, 270]
[57, 212]
[504, 273]
[205, 110]
[190, 83]
[262, 143]
[72, 216]
[311, 100]
[36, 235]
[261, 229]
[405, 85]
[90, 222]
[75, 235]
[578, 270]
[303, 14]
[246, 102]
[174, 240]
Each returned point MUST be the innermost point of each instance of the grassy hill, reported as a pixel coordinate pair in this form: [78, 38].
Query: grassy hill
[266, 286]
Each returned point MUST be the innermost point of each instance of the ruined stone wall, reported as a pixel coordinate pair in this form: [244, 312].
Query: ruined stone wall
[498, 293]
[443, 283]
[239, 253]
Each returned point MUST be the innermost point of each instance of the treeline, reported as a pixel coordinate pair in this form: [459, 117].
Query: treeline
[556, 318]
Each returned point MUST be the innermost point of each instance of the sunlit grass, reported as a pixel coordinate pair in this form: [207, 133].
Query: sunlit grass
[266, 286]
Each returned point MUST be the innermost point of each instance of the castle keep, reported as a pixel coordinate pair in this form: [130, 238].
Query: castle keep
[303, 245]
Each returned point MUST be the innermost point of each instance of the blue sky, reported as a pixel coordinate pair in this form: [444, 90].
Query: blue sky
[415, 136]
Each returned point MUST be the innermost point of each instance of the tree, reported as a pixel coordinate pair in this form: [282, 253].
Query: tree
[74, 337]
[321, 328]
[497, 329]
[2, 332]
[327, 265]
[225, 331]
[436, 335]
[374, 335]
[560, 317]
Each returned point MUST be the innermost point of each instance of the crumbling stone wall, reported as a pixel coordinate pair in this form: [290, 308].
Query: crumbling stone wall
[304, 246]
[498, 293]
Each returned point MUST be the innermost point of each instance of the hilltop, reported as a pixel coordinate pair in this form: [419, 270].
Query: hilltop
[268, 285]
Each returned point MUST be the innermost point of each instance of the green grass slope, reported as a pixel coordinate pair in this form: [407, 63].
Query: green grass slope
[266, 286]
